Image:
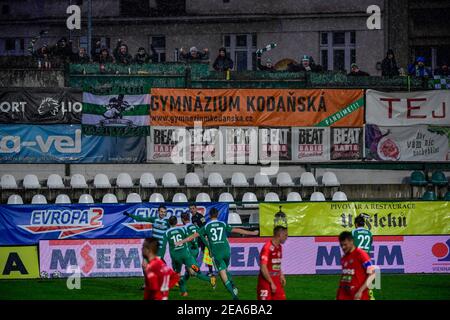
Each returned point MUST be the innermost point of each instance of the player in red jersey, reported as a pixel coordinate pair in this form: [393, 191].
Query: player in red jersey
[159, 278]
[271, 280]
[357, 270]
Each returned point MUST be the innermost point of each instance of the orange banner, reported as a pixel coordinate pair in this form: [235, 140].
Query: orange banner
[257, 107]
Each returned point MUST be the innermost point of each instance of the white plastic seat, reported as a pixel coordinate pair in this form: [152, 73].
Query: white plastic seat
[38, 199]
[124, 180]
[78, 181]
[250, 197]
[170, 180]
[203, 197]
[192, 180]
[238, 179]
[262, 180]
[30, 181]
[8, 182]
[339, 196]
[227, 197]
[254, 218]
[179, 197]
[147, 180]
[215, 180]
[317, 196]
[294, 196]
[307, 180]
[329, 179]
[109, 198]
[234, 218]
[15, 199]
[86, 198]
[101, 181]
[272, 197]
[156, 198]
[134, 198]
[63, 199]
[284, 180]
[54, 181]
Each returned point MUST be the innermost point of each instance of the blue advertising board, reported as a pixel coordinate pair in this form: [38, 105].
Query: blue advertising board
[27, 224]
[66, 144]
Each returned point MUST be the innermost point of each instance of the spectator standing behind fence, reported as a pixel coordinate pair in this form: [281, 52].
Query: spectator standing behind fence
[194, 55]
[223, 62]
[307, 65]
[267, 67]
[418, 69]
[95, 51]
[62, 50]
[142, 56]
[389, 66]
[121, 54]
[43, 57]
[443, 70]
[356, 72]
[81, 57]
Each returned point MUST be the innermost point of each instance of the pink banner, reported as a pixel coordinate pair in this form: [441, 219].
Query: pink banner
[301, 255]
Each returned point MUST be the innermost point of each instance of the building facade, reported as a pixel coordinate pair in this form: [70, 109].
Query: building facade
[333, 32]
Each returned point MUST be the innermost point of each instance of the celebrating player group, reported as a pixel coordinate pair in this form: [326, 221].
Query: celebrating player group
[185, 242]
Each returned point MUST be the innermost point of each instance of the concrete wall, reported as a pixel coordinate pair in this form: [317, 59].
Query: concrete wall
[31, 78]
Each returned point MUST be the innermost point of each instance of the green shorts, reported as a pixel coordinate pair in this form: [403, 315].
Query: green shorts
[181, 258]
[221, 259]
[195, 252]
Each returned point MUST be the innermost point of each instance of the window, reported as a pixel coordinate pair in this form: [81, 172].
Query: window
[13, 46]
[10, 44]
[159, 43]
[134, 8]
[337, 50]
[242, 50]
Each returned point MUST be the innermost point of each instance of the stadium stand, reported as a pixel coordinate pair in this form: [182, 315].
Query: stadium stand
[234, 218]
[438, 179]
[294, 196]
[239, 180]
[227, 197]
[272, 197]
[429, 195]
[109, 198]
[101, 181]
[307, 179]
[262, 180]
[284, 180]
[203, 197]
[38, 199]
[329, 179]
[156, 198]
[215, 180]
[179, 197]
[124, 181]
[170, 180]
[86, 199]
[54, 181]
[8, 182]
[78, 181]
[248, 199]
[147, 180]
[339, 196]
[30, 181]
[317, 196]
[192, 180]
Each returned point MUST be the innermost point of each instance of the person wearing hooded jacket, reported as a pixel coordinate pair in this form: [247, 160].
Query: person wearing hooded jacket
[121, 54]
[222, 62]
[419, 69]
[389, 66]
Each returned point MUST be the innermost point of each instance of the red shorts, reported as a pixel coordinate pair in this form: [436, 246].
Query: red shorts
[344, 294]
[264, 290]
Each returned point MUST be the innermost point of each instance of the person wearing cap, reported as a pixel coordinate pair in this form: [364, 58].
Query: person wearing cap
[307, 64]
[419, 69]
[389, 66]
[194, 54]
[142, 56]
[356, 72]
[223, 62]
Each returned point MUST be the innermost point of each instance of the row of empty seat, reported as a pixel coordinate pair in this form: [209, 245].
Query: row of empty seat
[247, 199]
[169, 180]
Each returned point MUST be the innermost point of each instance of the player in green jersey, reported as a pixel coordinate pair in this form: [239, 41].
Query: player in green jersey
[216, 233]
[363, 239]
[159, 226]
[181, 255]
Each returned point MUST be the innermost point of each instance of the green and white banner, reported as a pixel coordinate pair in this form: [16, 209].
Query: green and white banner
[116, 115]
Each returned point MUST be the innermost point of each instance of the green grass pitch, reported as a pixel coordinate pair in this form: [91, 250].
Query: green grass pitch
[316, 287]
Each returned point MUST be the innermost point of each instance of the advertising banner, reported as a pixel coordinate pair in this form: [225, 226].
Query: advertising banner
[408, 108]
[275, 144]
[241, 144]
[346, 143]
[311, 144]
[28, 224]
[414, 143]
[257, 107]
[19, 262]
[385, 218]
[317, 255]
[65, 144]
[40, 105]
[116, 115]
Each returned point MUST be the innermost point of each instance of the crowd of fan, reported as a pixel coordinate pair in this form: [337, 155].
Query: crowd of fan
[63, 52]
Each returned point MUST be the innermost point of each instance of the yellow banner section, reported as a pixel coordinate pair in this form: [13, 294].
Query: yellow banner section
[19, 262]
[331, 218]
